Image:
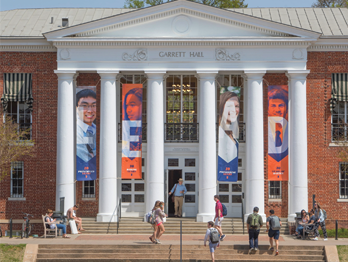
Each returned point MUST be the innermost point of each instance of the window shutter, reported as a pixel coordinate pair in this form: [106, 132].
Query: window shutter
[17, 88]
[339, 89]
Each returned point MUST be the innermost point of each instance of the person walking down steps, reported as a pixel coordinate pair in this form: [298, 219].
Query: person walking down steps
[178, 191]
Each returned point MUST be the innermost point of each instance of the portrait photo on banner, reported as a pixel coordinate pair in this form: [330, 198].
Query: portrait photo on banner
[86, 133]
[229, 110]
[132, 100]
[278, 129]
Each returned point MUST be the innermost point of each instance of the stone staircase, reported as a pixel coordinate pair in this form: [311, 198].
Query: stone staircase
[189, 226]
[161, 253]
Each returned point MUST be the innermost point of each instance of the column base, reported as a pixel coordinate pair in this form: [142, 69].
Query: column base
[205, 217]
[106, 217]
[291, 217]
[264, 218]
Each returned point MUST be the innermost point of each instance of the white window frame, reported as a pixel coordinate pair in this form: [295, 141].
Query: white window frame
[272, 197]
[12, 170]
[17, 114]
[339, 182]
[345, 122]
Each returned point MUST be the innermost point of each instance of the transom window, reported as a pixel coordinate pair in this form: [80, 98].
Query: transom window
[17, 179]
[20, 114]
[88, 189]
[343, 180]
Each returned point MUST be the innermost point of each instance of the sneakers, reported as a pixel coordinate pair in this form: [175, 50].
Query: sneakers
[315, 239]
[325, 239]
[158, 242]
[271, 248]
[251, 249]
[222, 237]
[256, 249]
[277, 253]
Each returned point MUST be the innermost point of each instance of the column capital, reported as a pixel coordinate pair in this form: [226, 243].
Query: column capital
[297, 74]
[155, 74]
[254, 74]
[207, 73]
[68, 74]
[108, 74]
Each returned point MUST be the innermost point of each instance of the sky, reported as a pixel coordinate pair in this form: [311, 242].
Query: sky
[14, 4]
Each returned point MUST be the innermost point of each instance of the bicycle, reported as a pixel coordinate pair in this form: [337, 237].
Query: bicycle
[26, 227]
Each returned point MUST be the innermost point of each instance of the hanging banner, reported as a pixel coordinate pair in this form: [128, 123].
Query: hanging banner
[228, 133]
[132, 100]
[86, 133]
[278, 133]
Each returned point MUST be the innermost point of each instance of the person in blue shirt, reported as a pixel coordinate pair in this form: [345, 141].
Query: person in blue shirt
[178, 190]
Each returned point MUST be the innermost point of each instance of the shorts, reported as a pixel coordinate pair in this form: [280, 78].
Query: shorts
[274, 234]
[217, 222]
[160, 223]
[212, 247]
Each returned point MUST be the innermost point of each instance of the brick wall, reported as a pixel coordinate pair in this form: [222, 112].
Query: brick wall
[323, 160]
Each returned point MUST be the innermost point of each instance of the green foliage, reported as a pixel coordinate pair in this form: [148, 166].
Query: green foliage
[342, 233]
[12, 253]
[215, 3]
[342, 253]
[330, 3]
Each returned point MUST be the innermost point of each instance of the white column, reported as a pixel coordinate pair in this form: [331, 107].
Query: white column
[255, 188]
[298, 143]
[155, 139]
[65, 140]
[207, 146]
[108, 148]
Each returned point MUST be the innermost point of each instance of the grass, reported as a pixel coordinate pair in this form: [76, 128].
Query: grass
[342, 233]
[342, 253]
[12, 253]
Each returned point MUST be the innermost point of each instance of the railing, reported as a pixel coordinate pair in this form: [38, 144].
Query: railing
[339, 132]
[182, 132]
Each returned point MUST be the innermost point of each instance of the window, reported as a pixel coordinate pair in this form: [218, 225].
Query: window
[173, 162]
[17, 181]
[88, 189]
[274, 189]
[190, 176]
[344, 180]
[190, 162]
[20, 114]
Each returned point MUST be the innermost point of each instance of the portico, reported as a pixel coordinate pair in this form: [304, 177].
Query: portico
[182, 38]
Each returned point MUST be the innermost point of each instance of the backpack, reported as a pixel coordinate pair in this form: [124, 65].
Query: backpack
[254, 220]
[224, 210]
[275, 223]
[150, 217]
[324, 214]
[214, 236]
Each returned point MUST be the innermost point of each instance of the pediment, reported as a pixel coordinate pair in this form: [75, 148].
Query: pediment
[181, 20]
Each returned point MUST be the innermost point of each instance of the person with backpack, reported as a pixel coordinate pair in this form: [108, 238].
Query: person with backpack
[150, 218]
[254, 224]
[159, 216]
[212, 235]
[273, 224]
[320, 215]
[219, 216]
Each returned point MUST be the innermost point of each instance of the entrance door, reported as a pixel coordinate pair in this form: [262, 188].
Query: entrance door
[173, 177]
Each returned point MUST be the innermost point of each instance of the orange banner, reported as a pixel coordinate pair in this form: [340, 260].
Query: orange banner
[132, 99]
[278, 165]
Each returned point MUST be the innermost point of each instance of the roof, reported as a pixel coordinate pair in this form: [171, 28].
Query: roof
[33, 22]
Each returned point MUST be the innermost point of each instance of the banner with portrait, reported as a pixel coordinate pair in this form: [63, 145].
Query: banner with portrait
[132, 100]
[229, 109]
[86, 133]
[278, 133]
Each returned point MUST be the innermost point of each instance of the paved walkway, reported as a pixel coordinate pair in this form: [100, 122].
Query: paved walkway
[165, 239]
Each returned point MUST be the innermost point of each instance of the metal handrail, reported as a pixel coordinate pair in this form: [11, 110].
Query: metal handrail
[118, 213]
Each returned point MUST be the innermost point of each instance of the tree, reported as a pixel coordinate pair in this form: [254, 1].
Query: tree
[330, 3]
[12, 145]
[215, 3]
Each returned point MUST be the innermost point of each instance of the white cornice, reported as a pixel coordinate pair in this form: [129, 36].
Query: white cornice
[27, 48]
[328, 48]
[184, 43]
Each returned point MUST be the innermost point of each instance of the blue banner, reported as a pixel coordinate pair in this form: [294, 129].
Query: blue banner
[86, 133]
[229, 109]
